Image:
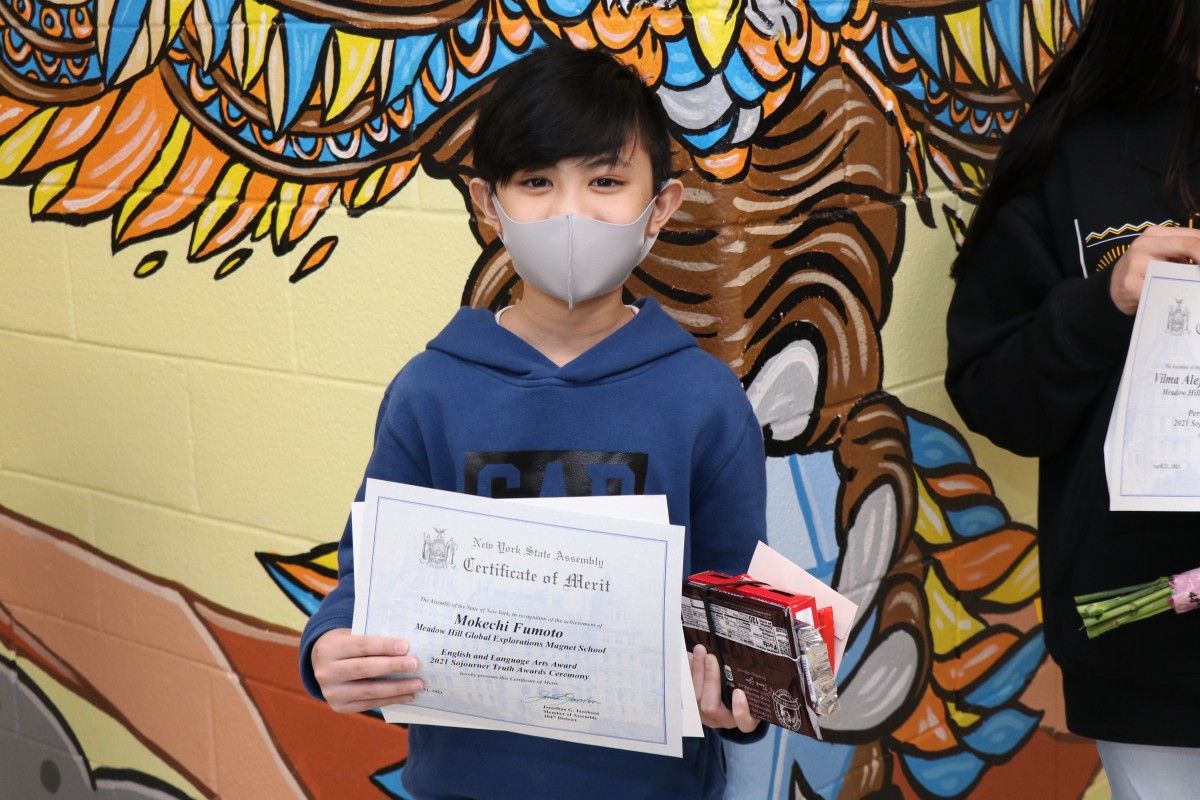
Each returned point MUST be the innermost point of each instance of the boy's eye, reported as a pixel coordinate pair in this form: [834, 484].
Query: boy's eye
[535, 182]
[606, 183]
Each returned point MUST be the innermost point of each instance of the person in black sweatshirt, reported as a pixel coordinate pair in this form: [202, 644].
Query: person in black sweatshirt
[1100, 177]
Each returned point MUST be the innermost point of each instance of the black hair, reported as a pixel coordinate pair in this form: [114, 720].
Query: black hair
[1130, 52]
[559, 102]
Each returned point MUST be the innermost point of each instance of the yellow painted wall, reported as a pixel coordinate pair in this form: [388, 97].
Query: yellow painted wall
[181, 423]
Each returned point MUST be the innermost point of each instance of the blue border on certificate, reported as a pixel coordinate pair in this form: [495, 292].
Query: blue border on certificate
[660, 604]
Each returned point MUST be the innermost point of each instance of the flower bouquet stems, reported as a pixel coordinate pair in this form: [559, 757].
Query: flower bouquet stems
[1103, 611]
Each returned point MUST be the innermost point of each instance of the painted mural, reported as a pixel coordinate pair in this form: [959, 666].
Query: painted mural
[806, 134]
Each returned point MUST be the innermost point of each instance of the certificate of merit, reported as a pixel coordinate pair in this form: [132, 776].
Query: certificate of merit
[526, 618]
[1153, 448]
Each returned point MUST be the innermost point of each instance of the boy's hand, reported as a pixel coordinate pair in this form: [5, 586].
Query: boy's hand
[351, 671]
[706, 678]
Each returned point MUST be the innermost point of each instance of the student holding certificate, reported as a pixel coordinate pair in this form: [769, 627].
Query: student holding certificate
[1096, 181]
[569, 392]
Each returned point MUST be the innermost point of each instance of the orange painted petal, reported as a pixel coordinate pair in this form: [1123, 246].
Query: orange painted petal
[315, 258]
[960, 484]
[581, 35]
[774, 98]
[958, 673]
[315, 580]
[669, 21]
[73, 130]
[928, 729]
[977, 563]
[820, 46]
[647, 57]
[259, 189]
[176, 201]
[474, 61]
[723, 166]
[348, 190]
[514, 30]
[123, 153]
[14, 113]
[397, 175]
[314, 201]
[762, 54]
[616, 29]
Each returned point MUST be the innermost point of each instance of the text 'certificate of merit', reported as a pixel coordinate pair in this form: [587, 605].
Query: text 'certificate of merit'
[527, 618]
[1152, 452]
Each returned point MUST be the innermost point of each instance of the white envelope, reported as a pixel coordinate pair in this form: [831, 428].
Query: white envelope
[770, 567]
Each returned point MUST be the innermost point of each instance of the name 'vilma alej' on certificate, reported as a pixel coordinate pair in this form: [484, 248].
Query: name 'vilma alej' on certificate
[1153, 448]
[524, 618]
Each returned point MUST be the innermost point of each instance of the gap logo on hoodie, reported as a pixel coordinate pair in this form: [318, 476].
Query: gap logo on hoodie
[553, 473]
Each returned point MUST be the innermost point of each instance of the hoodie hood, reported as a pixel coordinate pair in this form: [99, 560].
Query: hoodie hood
[474, 336]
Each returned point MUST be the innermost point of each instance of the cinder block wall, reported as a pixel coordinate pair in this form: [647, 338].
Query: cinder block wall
[171, 416]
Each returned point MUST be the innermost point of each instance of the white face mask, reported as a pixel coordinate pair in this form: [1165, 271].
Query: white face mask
[572, 257]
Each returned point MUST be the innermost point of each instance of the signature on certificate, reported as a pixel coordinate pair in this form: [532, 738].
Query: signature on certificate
[561, 699]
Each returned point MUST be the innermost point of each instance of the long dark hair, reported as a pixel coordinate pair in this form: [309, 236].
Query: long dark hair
[1130, 52]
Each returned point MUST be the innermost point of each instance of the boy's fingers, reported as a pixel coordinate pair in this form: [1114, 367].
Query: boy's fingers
[706, 679]
[384, 690]
[741, 712]
[375, 646]
[696, 661]
[340, 643]
[373, 667]
[710, 699]
[366, 695]
[366, 668]
[360, 706]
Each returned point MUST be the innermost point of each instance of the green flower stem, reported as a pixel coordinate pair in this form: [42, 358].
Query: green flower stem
[1134, 604]
[1129, 595]
[1148, 609]
[1084, 599]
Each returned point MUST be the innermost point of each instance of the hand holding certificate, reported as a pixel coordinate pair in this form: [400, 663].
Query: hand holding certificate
[1152, 452]
[530, 619]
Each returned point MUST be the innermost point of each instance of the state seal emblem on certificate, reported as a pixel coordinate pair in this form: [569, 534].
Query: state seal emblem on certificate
[533, 618]
[1152, 451]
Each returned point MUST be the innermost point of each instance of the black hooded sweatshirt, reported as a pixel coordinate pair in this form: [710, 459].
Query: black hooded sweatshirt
[1036, 348]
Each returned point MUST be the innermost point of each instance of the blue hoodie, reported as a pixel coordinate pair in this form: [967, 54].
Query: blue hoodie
[645, 411]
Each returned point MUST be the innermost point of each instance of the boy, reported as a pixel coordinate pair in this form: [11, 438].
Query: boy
[570, 392]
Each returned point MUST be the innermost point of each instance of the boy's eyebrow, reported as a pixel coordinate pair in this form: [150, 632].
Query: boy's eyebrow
[607, 160]
[601, 160]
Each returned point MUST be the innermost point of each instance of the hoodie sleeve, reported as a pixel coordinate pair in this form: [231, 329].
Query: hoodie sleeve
[1032, 344]
[397, 456]
[729, 518]
[728, 515]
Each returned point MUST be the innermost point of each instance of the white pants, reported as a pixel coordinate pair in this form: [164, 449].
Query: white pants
[1151, 772]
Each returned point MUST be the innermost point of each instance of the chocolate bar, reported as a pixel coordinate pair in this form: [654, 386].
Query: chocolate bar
[770, 644]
